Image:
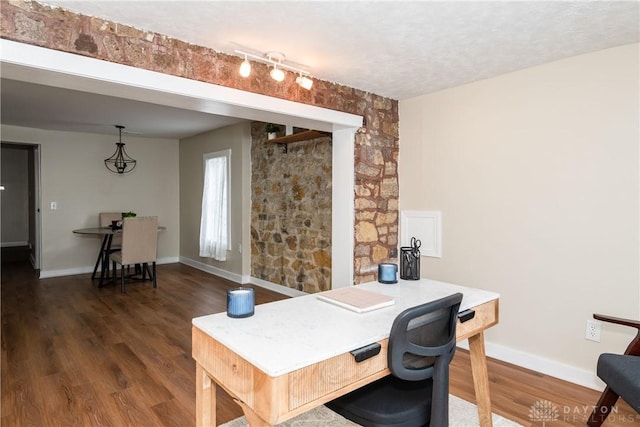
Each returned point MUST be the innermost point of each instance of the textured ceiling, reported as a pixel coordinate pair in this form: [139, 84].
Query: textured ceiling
[398, 49]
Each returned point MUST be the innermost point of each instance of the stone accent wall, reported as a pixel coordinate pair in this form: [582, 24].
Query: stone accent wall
[376, 147]
[291, 212]
[376, 202]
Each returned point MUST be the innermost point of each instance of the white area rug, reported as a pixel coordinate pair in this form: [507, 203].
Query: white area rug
[461, 414]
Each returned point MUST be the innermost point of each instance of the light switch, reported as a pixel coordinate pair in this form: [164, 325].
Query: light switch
[54, 206]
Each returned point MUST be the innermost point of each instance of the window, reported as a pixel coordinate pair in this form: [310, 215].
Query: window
[214, 222]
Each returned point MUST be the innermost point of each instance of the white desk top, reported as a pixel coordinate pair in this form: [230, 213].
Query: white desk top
[287, 335]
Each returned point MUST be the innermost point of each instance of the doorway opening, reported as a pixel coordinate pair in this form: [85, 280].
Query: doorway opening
[20, 203]
[59, 69]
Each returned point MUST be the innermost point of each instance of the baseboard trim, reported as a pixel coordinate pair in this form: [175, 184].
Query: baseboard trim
[540, 364]
[277, 288]
[47, 274]
[13, 244]
[234, 277]
[241, 279]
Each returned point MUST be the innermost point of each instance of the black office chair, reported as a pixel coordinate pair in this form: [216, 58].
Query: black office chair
[421, 345]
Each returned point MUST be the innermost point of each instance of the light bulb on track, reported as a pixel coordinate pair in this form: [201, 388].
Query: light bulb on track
[304, 82]
[277, 74]
[245, 68]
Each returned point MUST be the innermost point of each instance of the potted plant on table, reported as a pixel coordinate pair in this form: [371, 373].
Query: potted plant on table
[117, 225]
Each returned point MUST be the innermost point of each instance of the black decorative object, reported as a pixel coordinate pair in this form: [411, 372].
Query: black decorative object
[120, 162]
[410, 260]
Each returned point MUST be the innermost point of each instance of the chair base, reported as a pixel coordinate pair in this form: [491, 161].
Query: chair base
[603, 408]
[144, 270]
[388, 402]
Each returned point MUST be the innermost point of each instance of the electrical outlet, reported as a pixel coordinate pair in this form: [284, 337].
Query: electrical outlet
[593, 330]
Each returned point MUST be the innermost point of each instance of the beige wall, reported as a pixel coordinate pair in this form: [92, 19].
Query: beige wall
[238, 139]
[74, 176]
[536, 174]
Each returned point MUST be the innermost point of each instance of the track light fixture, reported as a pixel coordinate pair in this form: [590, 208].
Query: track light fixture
[245, 67]
[277, 61]
[304, 82]
[276, 73]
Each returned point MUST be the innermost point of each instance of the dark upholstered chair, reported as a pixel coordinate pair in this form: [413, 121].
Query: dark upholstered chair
[621, 374]
[421, 345]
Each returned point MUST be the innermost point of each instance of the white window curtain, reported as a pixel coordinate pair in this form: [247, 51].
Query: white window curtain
[214, 222]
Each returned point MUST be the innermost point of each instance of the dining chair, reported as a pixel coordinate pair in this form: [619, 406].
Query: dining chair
[105, 220]
[111, 243]
[139, 247]
[422, 342]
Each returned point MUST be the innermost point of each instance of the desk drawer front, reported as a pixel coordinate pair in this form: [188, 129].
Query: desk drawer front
[321, 379]
[486, 316]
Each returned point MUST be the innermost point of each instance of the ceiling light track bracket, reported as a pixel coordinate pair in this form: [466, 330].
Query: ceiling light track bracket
[273, 58]
[276, 60]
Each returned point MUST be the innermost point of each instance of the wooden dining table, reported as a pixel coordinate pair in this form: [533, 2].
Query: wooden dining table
[102, 261]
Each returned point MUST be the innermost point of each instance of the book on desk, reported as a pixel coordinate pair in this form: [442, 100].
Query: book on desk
[356, 299]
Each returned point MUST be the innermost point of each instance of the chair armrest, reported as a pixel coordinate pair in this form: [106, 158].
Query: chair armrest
[617, 320]
[634, 346]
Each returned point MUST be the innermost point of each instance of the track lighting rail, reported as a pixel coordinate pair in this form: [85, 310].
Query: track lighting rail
[268, 58]
[276, 60]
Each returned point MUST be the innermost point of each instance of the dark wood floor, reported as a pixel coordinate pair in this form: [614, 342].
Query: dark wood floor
[73, 354]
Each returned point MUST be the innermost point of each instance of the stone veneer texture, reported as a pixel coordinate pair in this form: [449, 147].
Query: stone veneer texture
[291, 212]
[376, 146]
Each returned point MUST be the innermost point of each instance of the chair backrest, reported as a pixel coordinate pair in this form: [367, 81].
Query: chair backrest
[139, 240]
[421, 335]
[421, 345]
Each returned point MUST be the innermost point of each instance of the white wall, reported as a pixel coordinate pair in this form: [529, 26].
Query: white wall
[74, 176]
[15, 197]
[237, 138]
[536, 173]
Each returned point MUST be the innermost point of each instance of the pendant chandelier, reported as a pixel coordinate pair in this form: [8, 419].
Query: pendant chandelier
[120, 162]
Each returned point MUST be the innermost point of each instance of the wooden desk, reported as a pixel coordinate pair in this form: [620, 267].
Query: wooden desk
[293, 355]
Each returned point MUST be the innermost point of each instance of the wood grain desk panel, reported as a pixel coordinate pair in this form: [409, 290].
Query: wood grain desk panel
[323, 379]
[486, 316]
[343, 370]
